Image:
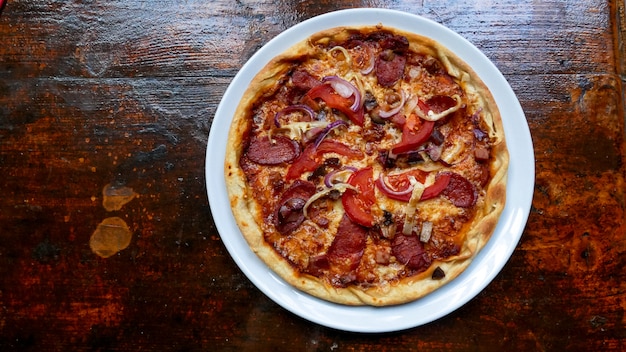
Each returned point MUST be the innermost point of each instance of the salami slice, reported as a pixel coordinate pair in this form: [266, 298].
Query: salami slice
[460, 191]
[389, 68]
[303, 80]
[347, 248]
[289, 214]
[409, 250]
[440, 103]
[278, 150]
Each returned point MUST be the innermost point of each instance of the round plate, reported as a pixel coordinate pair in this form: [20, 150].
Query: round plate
[459, 291]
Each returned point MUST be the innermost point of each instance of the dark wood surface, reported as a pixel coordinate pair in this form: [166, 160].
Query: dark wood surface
[123, 93]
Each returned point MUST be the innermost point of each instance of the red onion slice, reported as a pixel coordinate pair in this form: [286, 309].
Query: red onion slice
[327, 130]
[386, 114]
[387, 188]
[345, 89]
[330, 177]
[291, 108]
[371, 64]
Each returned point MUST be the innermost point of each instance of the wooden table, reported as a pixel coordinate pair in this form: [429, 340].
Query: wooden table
[105, 110]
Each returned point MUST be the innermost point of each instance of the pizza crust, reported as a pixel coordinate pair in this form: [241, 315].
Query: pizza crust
[248, 214]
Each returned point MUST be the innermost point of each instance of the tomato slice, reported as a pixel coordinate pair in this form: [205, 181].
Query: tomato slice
[397, 186]
[358, 204]
[332, 146]
[306, 161]
[441, 182]
[336, 101]
[311, 157]
[401, 182]
[415, 132]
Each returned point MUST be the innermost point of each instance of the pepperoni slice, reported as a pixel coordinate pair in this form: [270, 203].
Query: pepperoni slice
[460, 191]
[345, 253]
[440, 103]
[397, 43]
[389, 68]
[279, 150]
[288, 214]
[303, 80]
[409, 251]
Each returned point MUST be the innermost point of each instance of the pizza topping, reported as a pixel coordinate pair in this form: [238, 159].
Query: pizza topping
[409, 251]
[461, 192]
[438, 274]
[481, 154]
[397, 43]
[318, 264]
[386, 114]
[438, 107]
[331, 177]
[289, 212]
[345, 89]
[333, 146]
[327, 130]
[309, 159]
[415, 132]
[437, 137]
[389, 68]
[345, 53]
[346, 250]
[411, 209]
[399, 187]
[305, 162]
[480, 134]
[308, 113]
[441, 182]
[426, 232]
[371, 61]
[454, 150]
[358, 203]
[304, 131]
[434, 151]
[304, 81]
[335, 101]
[386, 188]
[275, 151]
[334, 189]
[388, 225]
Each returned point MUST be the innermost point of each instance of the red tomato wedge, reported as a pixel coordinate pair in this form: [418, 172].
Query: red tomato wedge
[336, 101]
[415, 132]
[303, 163]
[358, 204]
[402, 189]
[441, 182]
[332, 146]
[311, 157]
[399, 186]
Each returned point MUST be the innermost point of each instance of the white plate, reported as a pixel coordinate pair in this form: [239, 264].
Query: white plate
[459, 291]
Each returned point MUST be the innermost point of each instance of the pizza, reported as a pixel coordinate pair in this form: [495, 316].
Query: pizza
[366, 165]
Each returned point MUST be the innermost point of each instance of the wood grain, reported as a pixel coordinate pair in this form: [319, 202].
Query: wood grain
[124, 92]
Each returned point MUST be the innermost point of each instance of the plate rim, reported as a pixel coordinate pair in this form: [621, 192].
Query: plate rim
[384, 319]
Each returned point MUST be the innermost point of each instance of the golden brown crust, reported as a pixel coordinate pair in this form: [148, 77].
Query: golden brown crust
[476, 232]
